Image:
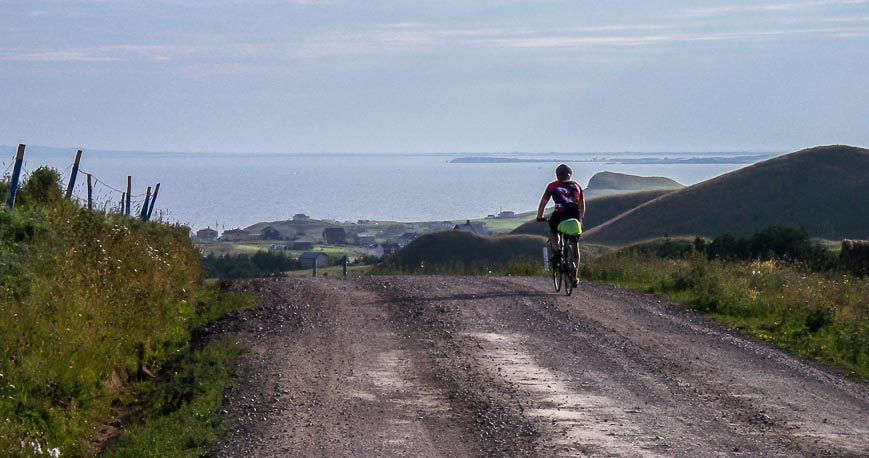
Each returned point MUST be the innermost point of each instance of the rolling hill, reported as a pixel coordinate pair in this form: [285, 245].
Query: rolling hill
[599, 210]
[461, 252]
[823, 190]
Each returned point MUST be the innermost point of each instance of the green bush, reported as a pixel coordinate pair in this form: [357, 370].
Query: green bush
[773, 243]
[261, 264]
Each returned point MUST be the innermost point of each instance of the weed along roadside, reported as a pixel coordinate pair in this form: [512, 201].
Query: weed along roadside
[794, 297]
[97, 316]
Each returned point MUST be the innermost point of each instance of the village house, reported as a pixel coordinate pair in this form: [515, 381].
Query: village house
[335, 235]
[395, 229]
[206, 234]
[440, 226]
[473, 228]
[363, 239]
[270, 233]
[308, 259]
[390, 248]
[375, 250]
[233, 235]
[405, 239]
[506, 214]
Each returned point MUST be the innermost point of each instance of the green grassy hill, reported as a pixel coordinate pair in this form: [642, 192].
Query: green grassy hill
[460, 252]
[609, 183]
[822, 190]
[599, 210]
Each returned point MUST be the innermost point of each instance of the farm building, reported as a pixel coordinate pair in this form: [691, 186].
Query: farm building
[308, 259]
[405, 239]
[440, 226]
[232, 235]
[363, 239]
[270, 233]
[301, 217]
[334, 235]
[473, 228]
[375, 250]
[206, 234]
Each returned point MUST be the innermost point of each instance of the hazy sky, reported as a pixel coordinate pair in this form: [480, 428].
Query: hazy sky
[434, 76]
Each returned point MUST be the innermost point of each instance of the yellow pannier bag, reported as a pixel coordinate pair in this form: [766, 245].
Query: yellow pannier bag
[570, 226]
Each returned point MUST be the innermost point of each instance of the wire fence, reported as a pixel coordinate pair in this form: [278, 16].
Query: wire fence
[102, 194]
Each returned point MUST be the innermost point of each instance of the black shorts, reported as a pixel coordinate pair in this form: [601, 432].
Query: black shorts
[557, 217]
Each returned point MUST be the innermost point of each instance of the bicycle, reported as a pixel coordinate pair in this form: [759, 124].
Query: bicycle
[564, 262]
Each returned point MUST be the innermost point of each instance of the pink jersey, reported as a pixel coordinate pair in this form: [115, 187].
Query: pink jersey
[567, 195]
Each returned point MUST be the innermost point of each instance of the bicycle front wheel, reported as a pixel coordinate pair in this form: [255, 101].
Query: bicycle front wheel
[569, 269]
[556, 277]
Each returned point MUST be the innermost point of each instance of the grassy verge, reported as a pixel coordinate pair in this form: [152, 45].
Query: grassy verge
[823, 317]
[178, 413]
[87, 302]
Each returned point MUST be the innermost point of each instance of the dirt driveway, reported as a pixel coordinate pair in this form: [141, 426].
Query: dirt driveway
[471, 366]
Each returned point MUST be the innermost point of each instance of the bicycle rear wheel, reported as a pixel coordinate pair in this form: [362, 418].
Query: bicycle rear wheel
[556, 277]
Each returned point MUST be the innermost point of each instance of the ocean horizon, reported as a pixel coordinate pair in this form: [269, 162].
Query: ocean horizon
[236, 190]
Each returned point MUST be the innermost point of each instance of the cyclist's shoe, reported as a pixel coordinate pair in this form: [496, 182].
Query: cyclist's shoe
[574, 283]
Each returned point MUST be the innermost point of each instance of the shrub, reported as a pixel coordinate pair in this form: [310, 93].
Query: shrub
[773, 243]
[261, 264]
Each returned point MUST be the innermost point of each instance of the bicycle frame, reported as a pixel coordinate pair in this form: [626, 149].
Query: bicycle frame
[564, 273]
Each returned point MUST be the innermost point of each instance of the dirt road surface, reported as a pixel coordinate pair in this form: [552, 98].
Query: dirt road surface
[474, 366]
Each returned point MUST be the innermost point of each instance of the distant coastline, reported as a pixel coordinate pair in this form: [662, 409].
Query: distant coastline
[745, 159]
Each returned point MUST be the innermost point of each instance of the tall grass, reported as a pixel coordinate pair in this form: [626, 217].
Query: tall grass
[823, 316]
[87, 300]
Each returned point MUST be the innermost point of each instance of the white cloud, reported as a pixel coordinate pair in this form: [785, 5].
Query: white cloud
[69, 55]
[657, 39]
[771, 7]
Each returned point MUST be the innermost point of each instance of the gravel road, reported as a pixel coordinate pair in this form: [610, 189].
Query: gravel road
[475, 366]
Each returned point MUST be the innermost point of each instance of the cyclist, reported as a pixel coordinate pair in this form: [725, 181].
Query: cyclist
[569, 203]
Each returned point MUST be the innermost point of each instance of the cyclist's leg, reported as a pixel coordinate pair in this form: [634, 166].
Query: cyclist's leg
[554, 239]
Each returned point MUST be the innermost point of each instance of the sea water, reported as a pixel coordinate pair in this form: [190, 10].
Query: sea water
[226, 191]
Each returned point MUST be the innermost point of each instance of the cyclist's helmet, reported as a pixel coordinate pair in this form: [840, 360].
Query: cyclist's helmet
[563, 172]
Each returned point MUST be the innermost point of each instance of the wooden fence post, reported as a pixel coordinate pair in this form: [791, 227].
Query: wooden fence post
[16, 174]
[90, 193]
[123, 201]
[344, 263]
[144, 213]
[153, 199]
[73, 175]
[315, 266]
[129, 191]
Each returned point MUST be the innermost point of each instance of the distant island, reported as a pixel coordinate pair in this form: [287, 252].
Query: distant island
[742, 159]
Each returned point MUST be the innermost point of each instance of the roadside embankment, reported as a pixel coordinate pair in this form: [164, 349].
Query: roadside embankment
[91, 304]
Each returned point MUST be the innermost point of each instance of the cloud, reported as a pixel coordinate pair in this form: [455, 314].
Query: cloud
[770, 7]
[657, 39]
[57, 56]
